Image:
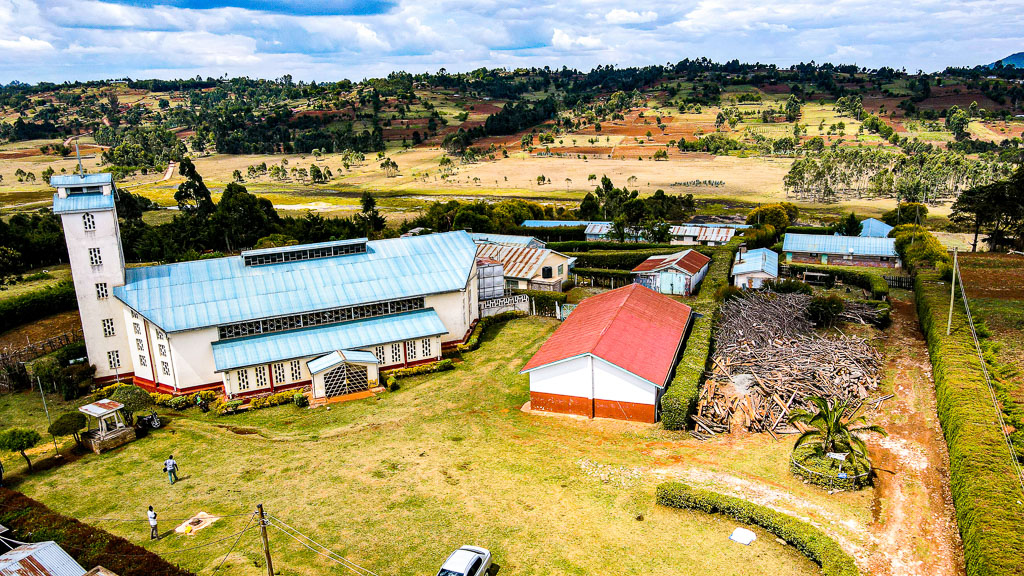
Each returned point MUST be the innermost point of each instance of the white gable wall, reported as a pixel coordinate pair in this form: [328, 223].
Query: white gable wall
[613, 383]
[569, 378]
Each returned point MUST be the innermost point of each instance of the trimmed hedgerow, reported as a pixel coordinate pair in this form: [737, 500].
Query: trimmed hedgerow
[810, 541]
[586, 246]
[545, 300]
[872, 281]
[680, 400]
[623, 275]
[474, 339]
[622, 259]
[986, 495]
[439, 366]
[29, 520]
[38, 304]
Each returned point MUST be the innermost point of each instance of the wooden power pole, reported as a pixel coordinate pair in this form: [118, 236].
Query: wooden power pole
[266, 542]
[952, 292]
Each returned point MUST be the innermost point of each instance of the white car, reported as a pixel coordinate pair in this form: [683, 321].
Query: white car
[467, 561]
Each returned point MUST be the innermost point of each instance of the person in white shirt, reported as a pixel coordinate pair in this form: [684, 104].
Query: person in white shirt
[171, 467]
[153, 534]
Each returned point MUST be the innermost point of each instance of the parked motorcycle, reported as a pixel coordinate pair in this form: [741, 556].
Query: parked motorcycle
[151, 421]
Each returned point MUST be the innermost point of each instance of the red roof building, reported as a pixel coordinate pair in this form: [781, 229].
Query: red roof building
[612, 357]
[678, 274]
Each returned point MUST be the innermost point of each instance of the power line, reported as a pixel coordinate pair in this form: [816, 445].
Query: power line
[211, 543]
[988, 382]
[104, 519]
[282, 525]
[253, 515]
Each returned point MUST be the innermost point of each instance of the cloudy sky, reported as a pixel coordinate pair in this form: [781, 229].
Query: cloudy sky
[57, 40]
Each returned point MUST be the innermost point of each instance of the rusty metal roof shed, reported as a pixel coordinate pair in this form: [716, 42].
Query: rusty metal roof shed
[101, 408]
[39, 559]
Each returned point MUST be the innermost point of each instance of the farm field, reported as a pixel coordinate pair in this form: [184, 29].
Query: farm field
[995, 285]
[450, 459]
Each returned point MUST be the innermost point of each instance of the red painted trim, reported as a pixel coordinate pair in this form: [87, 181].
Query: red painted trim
[161, 388]
[105, 379]
[270, 374]
[632, 411]
[561, 404]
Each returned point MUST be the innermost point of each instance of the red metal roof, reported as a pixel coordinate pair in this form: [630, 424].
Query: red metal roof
[689, 261]
[632, 327]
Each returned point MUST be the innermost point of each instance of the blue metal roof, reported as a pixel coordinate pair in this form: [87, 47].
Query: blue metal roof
[758, 260]
[293, 247]
[82, 203]
[874, 228]
[505, 239]
[328, 361]
[202, 293]
[557, 223]
[824, 244]
[64, 180]
[305, 342]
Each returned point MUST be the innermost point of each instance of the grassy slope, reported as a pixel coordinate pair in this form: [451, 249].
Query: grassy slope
[397, 481]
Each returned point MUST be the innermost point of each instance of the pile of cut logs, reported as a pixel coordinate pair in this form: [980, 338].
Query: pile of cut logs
[768, 361]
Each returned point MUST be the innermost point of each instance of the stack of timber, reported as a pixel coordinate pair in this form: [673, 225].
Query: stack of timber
[768, 361]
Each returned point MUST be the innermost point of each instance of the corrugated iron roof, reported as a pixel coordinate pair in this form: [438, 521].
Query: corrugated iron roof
[703, 233]
[82, 203]
[66, 180]
[874, 228]
[39, 559]
[517, 261]
[217, 291]
[510, 239]
[101, 408]
[758, 260]
[632, 327]
[555, 223]
[824, 244]
[688, 261]
[305, 342]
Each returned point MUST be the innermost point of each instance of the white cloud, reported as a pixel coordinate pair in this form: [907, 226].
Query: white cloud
[25, 44]
[60, 40]
[620, 16]
[563, 40]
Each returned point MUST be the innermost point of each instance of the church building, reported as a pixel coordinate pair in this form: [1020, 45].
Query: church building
[328, 315]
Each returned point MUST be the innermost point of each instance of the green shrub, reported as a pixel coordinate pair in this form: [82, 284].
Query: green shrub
[29, 520]
[824, 472]
[789, 286]
[68, 424]
[160, 399]
[439, 366]
[19, 440]
[985, 494]
[918, 248]
[623, 259]
[812, 542]
[473, 342]
[227, 407]
[300, 400]
[824, 308]
[587, 246]
[392, 383]
[134, 400]
[873, 281]
[107, 391]
[728, 292]
[679, 401]
[181, 403]
[37, 304]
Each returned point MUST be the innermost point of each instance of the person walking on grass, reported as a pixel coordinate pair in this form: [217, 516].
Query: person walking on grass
[171, 467]
[153, 533]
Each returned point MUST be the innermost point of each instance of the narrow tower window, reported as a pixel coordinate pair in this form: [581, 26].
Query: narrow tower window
[88, 222]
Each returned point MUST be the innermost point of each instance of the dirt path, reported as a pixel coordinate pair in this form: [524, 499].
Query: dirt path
[914, 521]
[912, 530]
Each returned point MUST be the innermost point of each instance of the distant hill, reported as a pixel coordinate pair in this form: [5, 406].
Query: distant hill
[1014, 59]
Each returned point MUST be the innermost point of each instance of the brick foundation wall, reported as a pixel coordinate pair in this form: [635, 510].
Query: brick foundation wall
[561, 404]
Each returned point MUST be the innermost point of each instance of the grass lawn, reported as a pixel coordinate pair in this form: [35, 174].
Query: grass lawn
[397, 481]
[54, 275]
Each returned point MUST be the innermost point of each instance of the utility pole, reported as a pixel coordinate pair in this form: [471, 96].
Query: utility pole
[952, 292]
[47, 410]
[263, 537]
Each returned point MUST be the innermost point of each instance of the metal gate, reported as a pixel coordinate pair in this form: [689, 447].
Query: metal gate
[346, 379]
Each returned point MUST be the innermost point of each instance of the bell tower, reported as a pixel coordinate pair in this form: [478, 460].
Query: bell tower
[85, 204]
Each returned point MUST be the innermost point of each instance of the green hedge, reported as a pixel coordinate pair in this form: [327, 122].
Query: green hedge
[585, 246]
[621, 259]
[918, 248]
[439, 366]
[545, 300]
[680, 400]
[478, 331]
[812, 542]
[31, 521]
[872, 281]
[986, 496]
[624, 275]
[561, 234]
[38, 304]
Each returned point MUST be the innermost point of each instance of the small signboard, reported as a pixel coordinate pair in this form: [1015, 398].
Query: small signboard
[843, 476]
[837, 455]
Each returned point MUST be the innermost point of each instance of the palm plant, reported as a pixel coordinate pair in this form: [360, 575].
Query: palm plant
[831, 431]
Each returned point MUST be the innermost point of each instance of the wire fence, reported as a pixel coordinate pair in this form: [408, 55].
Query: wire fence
[839, 481]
